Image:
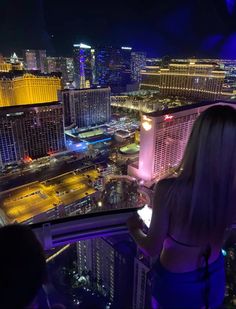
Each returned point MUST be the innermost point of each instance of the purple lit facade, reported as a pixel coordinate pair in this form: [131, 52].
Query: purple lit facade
[163, 137]
[83, 65]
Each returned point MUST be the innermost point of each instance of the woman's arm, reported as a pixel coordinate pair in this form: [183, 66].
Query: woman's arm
[152, 242]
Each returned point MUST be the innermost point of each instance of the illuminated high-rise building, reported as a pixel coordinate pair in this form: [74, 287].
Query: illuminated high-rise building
[30, 132]
[193, 79]
[126, 57]
[30, 60]
[83, 65]
[63, 65]
[53, 64]
[109, 275]
[86, 107]
[35, 60]
[69, 70]
[113, 67]
[25, 88]
[108, 70]
[163, 138]
[42, 61]
[138, 63]
[11, 64]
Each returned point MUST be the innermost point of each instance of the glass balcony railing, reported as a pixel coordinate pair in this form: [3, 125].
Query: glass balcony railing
[93, 262]
[69, 230]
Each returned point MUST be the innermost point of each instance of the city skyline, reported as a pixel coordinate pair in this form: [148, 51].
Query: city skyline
[97, 102]
[177, 29]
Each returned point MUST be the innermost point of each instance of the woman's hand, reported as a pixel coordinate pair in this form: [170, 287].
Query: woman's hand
[134, 223]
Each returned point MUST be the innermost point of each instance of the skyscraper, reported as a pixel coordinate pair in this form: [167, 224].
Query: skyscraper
[107, 61]
[86, 107]
[64, 65]
[138, 63]
[42, 61]
[69, 70]
[53, 64]
[83, 65]
[35, 60]
[30, 131]
[163, 138]
[193, 79]
[25, 88]
[113, 67]
[109, 260]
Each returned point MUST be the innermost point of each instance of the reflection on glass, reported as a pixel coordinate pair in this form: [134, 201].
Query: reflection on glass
[111, 273]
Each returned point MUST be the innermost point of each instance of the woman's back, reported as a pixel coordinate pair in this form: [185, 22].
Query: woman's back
[180, 253]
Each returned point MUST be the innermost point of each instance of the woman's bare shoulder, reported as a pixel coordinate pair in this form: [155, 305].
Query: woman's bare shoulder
[162, 187]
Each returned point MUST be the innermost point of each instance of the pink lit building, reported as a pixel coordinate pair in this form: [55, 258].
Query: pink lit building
[163, 138]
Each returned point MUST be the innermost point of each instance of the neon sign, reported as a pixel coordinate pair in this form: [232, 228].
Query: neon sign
[82, 45]
[168, 117]
[147, 123]
[126, 48]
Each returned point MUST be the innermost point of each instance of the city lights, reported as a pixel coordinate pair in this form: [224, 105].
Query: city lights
[126, 48]
[92, 133]
[82, 45]
[146, 125]
[179, 79]
[168, 117]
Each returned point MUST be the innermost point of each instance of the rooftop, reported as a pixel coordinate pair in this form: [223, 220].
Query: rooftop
[185, 107]
[28, 106]
[87, 89]
[25, 202]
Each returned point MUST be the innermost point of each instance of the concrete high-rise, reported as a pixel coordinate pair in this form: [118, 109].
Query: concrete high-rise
[30, 132]
[86, 107]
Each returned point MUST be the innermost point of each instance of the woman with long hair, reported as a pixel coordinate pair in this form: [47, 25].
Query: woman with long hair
[192, 210]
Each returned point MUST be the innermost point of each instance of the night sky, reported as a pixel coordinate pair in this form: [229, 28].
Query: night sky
[178, 28]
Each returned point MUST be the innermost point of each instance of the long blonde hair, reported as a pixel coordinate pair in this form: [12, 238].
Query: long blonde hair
[203, 196]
